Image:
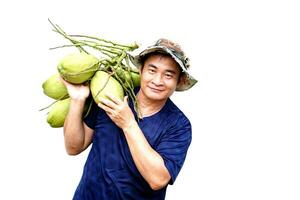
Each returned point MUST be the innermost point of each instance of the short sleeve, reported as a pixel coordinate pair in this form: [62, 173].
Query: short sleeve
[174, 146]
[90, 119]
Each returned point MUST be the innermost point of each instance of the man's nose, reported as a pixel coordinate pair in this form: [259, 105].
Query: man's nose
[157, 79]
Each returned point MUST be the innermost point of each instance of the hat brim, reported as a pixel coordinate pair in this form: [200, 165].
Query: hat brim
[186, 80]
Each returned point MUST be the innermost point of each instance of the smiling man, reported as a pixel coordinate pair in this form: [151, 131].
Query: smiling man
[130, 158]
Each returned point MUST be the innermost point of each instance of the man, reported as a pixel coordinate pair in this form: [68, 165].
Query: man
[130, 158]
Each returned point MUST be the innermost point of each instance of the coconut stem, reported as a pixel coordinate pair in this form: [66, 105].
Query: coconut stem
[125, 47]
[104, 85]
[126, 84]
[104, 45]
[89, 108]
[115, 65]
[63, 33]
[60, 98]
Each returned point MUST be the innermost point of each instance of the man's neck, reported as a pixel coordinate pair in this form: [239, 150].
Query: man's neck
[147, 106]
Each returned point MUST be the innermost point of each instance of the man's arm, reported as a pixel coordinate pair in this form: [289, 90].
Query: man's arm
[78, 136]
[149, 163]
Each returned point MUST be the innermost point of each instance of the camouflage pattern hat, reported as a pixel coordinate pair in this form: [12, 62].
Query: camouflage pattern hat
[168, 47]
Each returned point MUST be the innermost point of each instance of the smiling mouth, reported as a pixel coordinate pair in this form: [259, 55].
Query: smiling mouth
[155, 90]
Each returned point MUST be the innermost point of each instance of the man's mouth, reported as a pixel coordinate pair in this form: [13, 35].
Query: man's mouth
[156, 89]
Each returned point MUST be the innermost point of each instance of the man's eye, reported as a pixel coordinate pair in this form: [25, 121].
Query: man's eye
[151, 71]
[168, 76]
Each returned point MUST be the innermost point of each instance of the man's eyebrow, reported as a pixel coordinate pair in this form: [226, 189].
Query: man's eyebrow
[171, 71]
[168, 70]
[151, 65]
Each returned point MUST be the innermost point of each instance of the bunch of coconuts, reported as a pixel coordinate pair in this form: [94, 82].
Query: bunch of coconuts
[109, 74]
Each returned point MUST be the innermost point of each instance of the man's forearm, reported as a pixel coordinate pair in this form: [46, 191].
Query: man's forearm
[149, 163]
[73, 128]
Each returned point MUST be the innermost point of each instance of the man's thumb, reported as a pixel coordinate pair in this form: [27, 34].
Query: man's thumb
[126, 99]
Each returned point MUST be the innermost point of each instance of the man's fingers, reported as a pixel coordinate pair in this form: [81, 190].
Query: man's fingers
[62, 80]
[110, 112]
[105, 108]
[126, 99]
[114, 99]
[107, 102]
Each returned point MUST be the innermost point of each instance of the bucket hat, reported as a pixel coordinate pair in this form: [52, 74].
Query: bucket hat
[166, 46]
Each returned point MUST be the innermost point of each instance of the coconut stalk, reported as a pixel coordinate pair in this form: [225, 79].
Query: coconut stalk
[114, 58]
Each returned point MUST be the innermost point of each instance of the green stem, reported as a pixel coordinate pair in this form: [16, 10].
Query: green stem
[95, 46]
[131, 47]
[89, 108]
[104, 45]
[127, 86]
[67, 45]
[63, 33]
[60, 98]
[122, 56]
[103, 86]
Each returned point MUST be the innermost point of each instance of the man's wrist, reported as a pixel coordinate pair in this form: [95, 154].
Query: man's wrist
[130, 127]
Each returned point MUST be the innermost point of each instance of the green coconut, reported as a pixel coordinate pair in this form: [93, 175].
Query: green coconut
[102, 83]
[54, 88]
[58, 112]
[135, 78]
[77, 68]
[128, 76]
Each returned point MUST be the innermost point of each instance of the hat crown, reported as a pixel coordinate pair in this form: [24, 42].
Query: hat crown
[176, 50]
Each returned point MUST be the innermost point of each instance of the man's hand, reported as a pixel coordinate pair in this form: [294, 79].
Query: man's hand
[77, 92]
[118, 110]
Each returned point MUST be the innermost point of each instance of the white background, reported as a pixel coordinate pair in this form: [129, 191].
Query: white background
[245, 110]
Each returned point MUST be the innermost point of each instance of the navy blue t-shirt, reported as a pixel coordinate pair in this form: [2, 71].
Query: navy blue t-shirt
[110, 173]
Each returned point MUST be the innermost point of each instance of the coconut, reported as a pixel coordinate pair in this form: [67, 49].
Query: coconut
[77, 68]
[135, 78]
[128, 76]
[58, 112]
[103, 83]
[54, 88]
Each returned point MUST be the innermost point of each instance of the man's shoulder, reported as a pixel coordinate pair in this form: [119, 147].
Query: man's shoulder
[174, 111]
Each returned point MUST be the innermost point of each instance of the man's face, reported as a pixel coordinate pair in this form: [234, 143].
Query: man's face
[159, 77]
